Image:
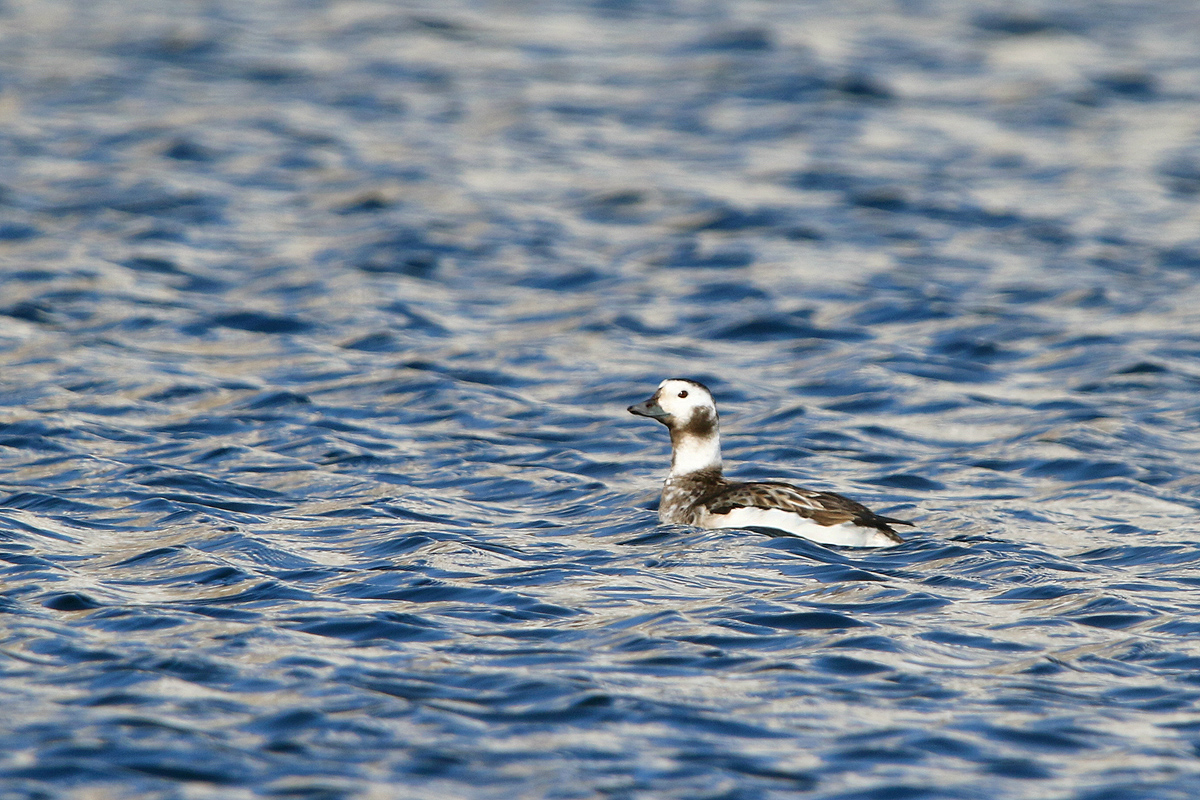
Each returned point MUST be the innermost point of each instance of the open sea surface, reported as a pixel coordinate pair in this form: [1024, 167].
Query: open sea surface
[318, 322]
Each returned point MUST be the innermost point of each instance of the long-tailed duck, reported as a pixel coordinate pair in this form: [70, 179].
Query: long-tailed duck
[696, 492]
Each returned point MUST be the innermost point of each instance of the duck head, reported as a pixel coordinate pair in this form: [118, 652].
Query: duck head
[687, 409]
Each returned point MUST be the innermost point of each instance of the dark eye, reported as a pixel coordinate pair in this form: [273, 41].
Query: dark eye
[683, 393]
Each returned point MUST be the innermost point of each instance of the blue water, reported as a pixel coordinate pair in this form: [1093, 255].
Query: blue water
[318, 322]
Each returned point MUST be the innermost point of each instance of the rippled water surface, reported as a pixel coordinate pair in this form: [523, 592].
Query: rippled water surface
[318, 322]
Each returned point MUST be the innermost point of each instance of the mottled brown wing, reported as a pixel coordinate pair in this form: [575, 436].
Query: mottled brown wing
[824, 508]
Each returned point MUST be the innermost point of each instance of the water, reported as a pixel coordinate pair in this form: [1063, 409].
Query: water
[320, 320]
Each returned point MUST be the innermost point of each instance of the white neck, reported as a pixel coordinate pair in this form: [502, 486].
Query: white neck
[690, 453]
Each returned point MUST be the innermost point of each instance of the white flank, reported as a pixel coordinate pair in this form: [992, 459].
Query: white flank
[846, 534]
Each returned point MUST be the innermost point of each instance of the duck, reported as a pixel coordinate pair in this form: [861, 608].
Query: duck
[697, 493]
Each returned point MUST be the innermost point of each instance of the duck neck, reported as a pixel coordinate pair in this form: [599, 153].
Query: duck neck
[692, 452]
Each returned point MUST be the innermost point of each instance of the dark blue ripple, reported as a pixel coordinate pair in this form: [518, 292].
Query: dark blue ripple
[804, 620]
[366, 629]
[973, 641]
[781, 327]
[255, 322]
[1062, 739]
[202, 484]
[71, 601]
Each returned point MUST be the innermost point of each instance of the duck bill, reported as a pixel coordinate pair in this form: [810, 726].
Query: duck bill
[649, 408]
